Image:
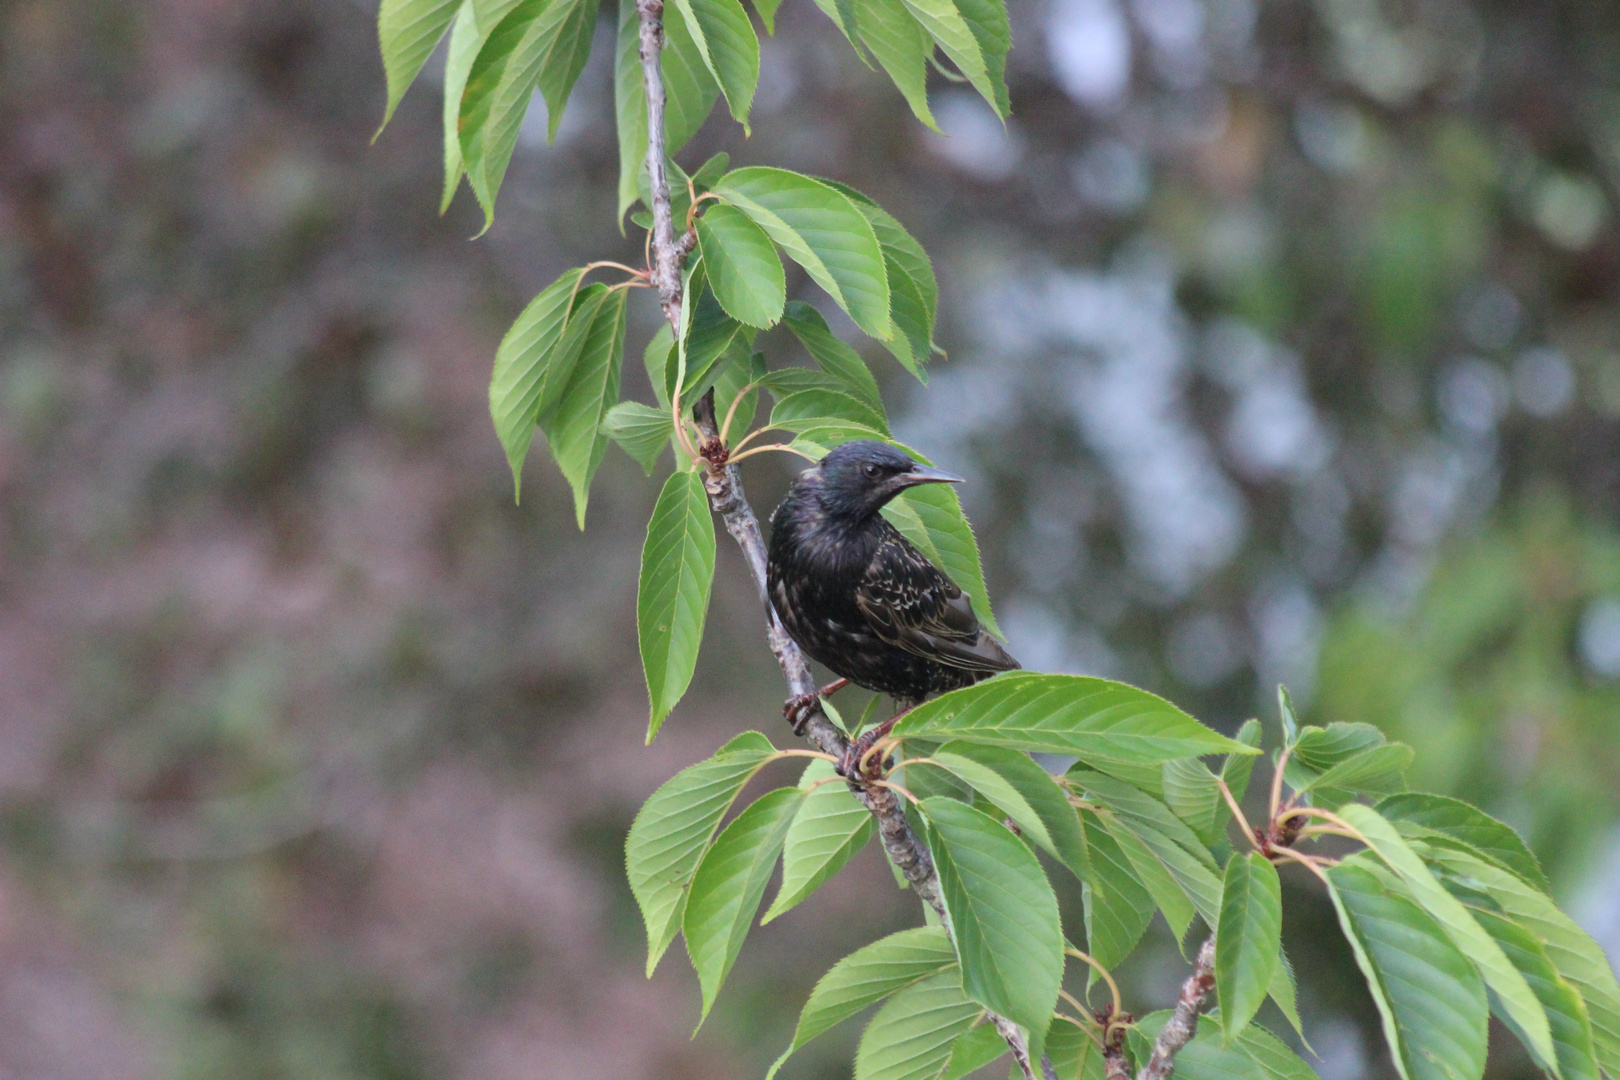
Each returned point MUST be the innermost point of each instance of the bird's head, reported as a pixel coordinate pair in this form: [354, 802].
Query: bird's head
[858, 478]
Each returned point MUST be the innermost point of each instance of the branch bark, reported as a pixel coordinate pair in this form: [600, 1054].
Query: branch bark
[1183, 1023]
[727, 498]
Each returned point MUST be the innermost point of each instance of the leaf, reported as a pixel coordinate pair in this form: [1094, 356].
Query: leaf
[573, 426]
[1570, 1024]
[1481, 832]
[1515, 995]
[1142, 811]
[530, 372]
[640, 430]
[407, 31]
[1156, 878]
[729, 47]
[940, 511]
[673, 828]
[689, 95]
[1072, 1052]
[1285, 995]
[913, 290]
[1431, 999]
[1194, 794]
[987, 19]
[1002, 912]
[739, 370]
[835, 359]
[465, 41]
[903, 47]
[1376, 770]
[540, 43]
[672, 596]
[767, 13]
[823, 231]
[1272, 1055]
[828, 830]
[1320, 749]
[825, 406]
[1285, 711]
[1058, 821]
[709, 333]
[1065, 714]
[1578, 958]
[975, 1048]
[1256, 1055]
[910, 1038]
[995, 788]
[1248, 939]
[945, 24]
[657, 358]
[729, 884]
[868, 975]
[744, 270]
[1236, 768]
[1117, 907]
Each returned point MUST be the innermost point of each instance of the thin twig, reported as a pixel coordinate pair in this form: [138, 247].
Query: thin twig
[1113, 987]
[1277, 779]
[1237, 812]
[1183, 1022]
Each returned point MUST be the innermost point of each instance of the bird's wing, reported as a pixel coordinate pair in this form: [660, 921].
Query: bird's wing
[910, 603]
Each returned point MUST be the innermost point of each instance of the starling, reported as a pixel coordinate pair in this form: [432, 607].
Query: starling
[858, 597]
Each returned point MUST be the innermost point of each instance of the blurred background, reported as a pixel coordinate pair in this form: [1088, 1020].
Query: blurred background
[1283, 347]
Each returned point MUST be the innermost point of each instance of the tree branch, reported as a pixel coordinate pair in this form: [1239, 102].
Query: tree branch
[727, 498]
[1183, 1023]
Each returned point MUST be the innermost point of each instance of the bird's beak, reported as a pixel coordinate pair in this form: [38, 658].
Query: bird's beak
[922, 474]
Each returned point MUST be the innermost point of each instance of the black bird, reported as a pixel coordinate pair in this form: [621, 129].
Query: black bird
[858, 597]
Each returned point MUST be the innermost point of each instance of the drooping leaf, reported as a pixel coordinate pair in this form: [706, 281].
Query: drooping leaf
[823, 231]
[729, 884]
[1194, 794]
[828, 830]
[738, 373]
[530, 369]
[1248, 940]
[407, 31]
[539, 43]
[1511, 990]
[911, 1037]
[640, 430]
[835, 359]
[1117, 907]
[573, 426]
[1058, 822]
[913, 290]
[1003, 914]
[709, 333]
[465, 41]
[991, 785]
[1065, 714]
[1073, 1052]
[869, 975]
[689, 95]
[729, 47]
[1481, 832]
[672, 597]
[744, 269]
[1272, 1055]
[1567, 1017]
[1142, 811]
[674, 827]
[767, 13]
[1235, 770]
[1431, 999]
[975, 1048]
[1285, 711]
[944, 22]
[1155, 876]
[903, 47]
[987, 19]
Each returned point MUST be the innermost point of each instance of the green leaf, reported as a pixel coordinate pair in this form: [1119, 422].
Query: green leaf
[1481, 832]
[729, 884]
[1578, 958]
[744, 269]
[825, 406]
[946, 25]
[913, 290]
[689, 95]
[1256, 1055]
[1285, 995]
[1143, 812]
[1058, 822]
[767, 13]
[1378, 770]
[1194, 794]
[911, 1037]
[829, 829]
[994, 787]
[672, 597]
[903, 47]
[835, 359]
[542, 43]
[869, 975]
[951, 536]
[640, 430]
[987, 19]
[1285, 711]
[975, 1048]
[709, 333]
[407, 31]
[739, 370]
[1161, 885]
[1117, 907]
[1567, 1017]
[465, 41]
[1430, 997]
[1072, 1052]
[1272, 1055]
[1320, 749]
[1248, 940]
[1002, 912]
[823, 231]
[1517, 999]
[729, 47]
[1236, 768]
[530, 371]
[673, 828]
[1065, 714]
[573, 426]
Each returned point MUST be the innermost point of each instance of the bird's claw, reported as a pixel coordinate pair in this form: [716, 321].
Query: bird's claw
[799, 708]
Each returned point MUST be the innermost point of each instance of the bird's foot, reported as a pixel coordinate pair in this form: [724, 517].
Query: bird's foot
[799, 708]
[856, 765]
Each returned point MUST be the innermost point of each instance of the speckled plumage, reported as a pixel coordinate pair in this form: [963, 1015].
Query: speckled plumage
[857, 596]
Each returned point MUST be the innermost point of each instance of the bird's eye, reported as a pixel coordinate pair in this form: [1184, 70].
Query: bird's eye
[872, 470]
